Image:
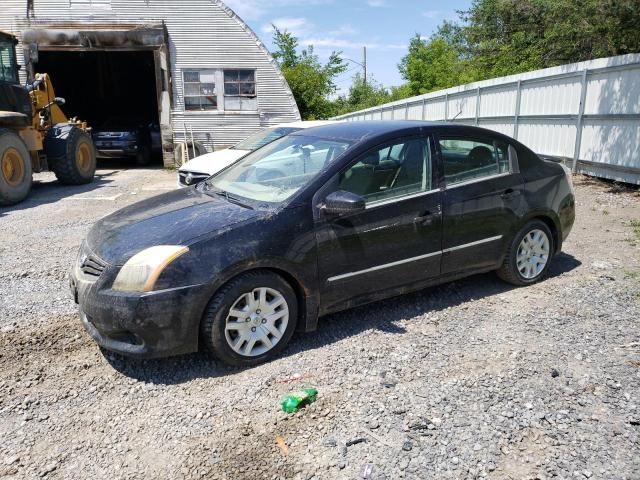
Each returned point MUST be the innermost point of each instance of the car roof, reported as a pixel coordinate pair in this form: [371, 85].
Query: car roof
[355, 131]
[305, 124]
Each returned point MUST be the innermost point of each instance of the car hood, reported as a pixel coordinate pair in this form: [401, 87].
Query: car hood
[213, 162]
[174, 218]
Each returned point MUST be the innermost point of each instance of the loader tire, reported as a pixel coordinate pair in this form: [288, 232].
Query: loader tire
[71, 154]
[16, 174]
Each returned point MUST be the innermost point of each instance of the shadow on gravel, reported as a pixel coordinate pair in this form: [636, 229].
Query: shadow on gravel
[563, 263]
[170, 371]
[43, 193]
[382, 316]
[610, 186]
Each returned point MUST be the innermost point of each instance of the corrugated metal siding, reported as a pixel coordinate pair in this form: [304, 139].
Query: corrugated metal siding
[560, 97]
[542, 110]
[498, 102]
[202, 34]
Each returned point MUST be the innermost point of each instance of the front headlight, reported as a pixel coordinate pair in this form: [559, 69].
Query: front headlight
[142, 270]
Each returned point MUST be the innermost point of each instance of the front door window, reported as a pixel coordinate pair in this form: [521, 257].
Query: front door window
[390, 172]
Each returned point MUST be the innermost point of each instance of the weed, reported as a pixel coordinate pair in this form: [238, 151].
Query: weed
[635, 224]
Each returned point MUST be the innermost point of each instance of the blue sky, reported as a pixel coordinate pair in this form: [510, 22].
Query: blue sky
[384, 26]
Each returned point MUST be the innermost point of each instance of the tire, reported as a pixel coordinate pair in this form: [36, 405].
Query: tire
[523, 261]
[71, 153]
[143, 156]
[16, 174]
[217, 338]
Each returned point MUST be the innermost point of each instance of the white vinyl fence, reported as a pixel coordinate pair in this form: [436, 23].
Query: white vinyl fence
[586, 114]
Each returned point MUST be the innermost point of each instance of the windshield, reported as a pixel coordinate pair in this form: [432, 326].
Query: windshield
[278, 170]
[263, 137]
[8, 71]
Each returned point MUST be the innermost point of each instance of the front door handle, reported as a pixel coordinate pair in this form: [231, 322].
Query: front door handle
[425, 218]
[510, 193]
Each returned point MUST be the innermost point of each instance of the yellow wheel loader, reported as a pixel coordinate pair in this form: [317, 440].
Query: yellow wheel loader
[35, 135]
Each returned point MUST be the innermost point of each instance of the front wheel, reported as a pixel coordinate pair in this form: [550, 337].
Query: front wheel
[529, 255]
[15, 168]
[250, 319]
[72, 154]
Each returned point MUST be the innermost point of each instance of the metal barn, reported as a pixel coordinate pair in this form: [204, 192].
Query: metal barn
[192, 66]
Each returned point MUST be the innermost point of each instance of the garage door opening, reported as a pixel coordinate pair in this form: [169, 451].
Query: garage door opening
[115, 92]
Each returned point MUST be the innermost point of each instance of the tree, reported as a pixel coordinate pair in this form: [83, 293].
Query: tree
[502, 37]
[361, 95]
[431, 65]
[311, 82]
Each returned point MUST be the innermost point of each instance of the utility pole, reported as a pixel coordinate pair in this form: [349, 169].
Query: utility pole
[364, 64]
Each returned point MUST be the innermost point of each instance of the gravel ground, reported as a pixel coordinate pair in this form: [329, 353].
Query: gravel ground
[473, 379]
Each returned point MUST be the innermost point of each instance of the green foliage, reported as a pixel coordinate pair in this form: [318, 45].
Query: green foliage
[361, 95]
[511, 36]
[635, 224]
[311, 82]
[432, 65]
[503, 37]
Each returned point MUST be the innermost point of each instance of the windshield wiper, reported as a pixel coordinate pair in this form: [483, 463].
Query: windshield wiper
[232, 199]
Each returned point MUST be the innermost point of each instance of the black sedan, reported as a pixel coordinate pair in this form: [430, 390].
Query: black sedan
[316, 222]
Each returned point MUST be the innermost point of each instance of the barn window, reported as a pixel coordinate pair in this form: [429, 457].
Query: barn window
[200, 90]
[240, 90]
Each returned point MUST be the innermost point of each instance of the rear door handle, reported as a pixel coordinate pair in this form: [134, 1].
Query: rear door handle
[510, 193]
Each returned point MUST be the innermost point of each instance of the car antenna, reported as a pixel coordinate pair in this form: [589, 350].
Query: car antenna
[457, 115]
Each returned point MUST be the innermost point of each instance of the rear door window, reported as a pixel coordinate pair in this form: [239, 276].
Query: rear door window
[468, 159]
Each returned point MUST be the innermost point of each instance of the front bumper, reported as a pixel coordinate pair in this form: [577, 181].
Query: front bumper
[115, 148]
[116, 152]
[142, 325]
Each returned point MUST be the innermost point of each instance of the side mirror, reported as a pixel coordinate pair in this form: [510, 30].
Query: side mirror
[59, 101]
[342, 203]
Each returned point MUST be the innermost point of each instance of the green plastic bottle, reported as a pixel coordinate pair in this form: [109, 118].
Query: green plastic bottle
[297, 400]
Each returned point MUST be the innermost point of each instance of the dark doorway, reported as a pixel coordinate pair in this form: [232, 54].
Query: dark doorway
[112, 90]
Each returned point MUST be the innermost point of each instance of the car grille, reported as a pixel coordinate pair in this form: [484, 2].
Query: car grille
[90, 264]
[191, 178]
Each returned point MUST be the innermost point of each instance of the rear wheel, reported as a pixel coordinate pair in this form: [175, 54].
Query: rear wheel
[15, 168]
[72, 154]
[250, 319]
[529, 255]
